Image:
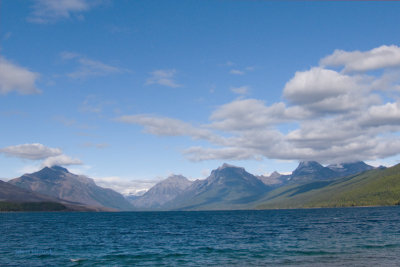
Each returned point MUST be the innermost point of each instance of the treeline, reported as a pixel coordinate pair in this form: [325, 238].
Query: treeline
[31, 206]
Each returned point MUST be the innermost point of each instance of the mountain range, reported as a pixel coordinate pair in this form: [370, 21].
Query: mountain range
[228, 187]
[231, 187]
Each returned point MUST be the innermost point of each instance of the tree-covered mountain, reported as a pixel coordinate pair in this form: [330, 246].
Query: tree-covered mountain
[308, 171]
[371, 188]
[59, 183]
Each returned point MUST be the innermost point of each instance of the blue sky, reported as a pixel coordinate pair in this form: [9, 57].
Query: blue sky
[129, 92]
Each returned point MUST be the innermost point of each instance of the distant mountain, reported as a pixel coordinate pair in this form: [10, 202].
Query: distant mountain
[275, 179]
[375, 187]
[228, 187]
[14, 198]
[132, 197]
[58, 182]
[162, 192]
[311, 170]
[346, 169]
[308, 171]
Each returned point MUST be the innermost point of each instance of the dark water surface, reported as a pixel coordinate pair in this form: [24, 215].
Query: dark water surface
[312, 237]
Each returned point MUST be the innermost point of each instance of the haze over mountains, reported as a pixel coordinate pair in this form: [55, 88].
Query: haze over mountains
[162, 192]
[227, 187]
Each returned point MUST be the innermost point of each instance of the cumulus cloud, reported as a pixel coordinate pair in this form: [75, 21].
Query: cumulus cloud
[382, 115]
[14, 78]
[326, 114]
[247, 114]
[357, 61]
[62, 160]
[89, 67]
[47, 11]
[36, 151]
[163, 77]
[33, 151]
[318, 84]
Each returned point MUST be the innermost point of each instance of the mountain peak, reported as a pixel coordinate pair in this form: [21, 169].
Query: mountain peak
[226, 166]
[59, 168]
[176, 178]
[309, 164]
[275, 174]
[350, 167]
[307, 167]
[310, 170]
[162, 192]
[58, 182]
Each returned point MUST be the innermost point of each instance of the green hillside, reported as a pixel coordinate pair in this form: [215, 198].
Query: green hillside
[378, 187]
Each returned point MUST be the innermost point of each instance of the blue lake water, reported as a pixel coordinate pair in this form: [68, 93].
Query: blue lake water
[309, 237]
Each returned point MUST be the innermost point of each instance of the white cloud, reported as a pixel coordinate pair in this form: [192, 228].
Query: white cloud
[94, 104]
[163, 126]
[88, 67]
[225, 153]
[159, 125]
[33, 151]
[318, 84]
[50, 156]
[326, 115]
[45, 11]
[14, 78]
[61, 160]
[94, 145]
[245, 114]
[163, 77]
[382, 115]
[242, 90]
[236, 72]
[377, 58]
[241, 71]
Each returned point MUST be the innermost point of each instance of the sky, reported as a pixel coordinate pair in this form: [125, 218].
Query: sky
[129, 92]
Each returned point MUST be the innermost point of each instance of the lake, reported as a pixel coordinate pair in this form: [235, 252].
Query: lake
[302, 237]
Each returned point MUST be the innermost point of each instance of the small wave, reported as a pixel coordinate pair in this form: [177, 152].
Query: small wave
[310, 253]
[77, 260]
[380, 246]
